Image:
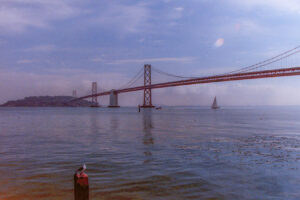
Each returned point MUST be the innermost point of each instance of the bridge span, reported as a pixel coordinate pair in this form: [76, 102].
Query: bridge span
[245, 73]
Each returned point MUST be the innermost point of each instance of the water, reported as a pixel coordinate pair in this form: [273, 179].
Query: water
[173, 153]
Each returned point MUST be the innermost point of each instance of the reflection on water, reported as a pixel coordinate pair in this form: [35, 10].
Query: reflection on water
[94, 126]
[114, 122]
[148, 139]
[173, 153]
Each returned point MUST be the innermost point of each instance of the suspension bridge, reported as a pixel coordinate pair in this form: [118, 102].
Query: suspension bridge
[278, 66]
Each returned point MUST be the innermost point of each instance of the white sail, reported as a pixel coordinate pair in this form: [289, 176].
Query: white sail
[215, 104]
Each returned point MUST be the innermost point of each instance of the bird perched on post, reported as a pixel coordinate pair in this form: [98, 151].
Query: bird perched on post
[81, 169]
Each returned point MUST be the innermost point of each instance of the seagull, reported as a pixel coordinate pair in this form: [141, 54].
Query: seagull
[81, 169]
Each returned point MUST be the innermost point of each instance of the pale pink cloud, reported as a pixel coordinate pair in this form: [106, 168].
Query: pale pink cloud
[219, 42]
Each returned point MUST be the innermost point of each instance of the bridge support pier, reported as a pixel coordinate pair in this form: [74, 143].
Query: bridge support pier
[147, 84]
[113, 99]
[94, 97]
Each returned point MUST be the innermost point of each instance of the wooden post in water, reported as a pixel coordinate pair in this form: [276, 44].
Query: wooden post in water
[81, 184]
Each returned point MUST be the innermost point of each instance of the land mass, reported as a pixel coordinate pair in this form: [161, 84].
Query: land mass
[47, 101]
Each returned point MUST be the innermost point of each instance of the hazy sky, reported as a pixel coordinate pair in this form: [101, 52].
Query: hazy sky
[50, 47]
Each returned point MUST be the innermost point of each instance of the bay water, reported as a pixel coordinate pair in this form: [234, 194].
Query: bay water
[173, 153]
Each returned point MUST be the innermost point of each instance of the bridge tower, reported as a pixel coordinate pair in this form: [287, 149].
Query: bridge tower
[94, 92]
[147, 84]
[74, 94]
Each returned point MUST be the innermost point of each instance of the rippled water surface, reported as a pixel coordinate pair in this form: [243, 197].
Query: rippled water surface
[173, 153]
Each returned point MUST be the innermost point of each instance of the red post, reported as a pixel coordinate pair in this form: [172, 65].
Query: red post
[81, 184]
[147, 85]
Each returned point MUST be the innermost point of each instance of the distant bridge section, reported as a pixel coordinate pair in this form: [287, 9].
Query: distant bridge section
[245, 73]
[210, 79]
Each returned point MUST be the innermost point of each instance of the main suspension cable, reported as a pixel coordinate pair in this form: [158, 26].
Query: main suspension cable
[264, 63]
[133, 80]
[244, 69]
[273, 61]
[171, 75]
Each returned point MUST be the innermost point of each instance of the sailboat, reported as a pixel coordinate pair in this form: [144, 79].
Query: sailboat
[215, 105]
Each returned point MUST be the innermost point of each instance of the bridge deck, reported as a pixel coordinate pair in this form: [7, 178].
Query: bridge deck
[210, 79]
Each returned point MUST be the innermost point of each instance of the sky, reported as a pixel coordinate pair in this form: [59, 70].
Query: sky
[51, 47]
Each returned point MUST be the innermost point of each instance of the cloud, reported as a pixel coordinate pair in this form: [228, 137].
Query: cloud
[25, 61]
[150, 60]
[124, 18]
[40, 48]
[2, 42]
[19, 15]
[281, 5]
[96, 59]
[243, 27]
[179, 9]
[219, 42]
[249, 26]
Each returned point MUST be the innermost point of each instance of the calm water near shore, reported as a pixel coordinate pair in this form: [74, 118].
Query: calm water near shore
[173, 153]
